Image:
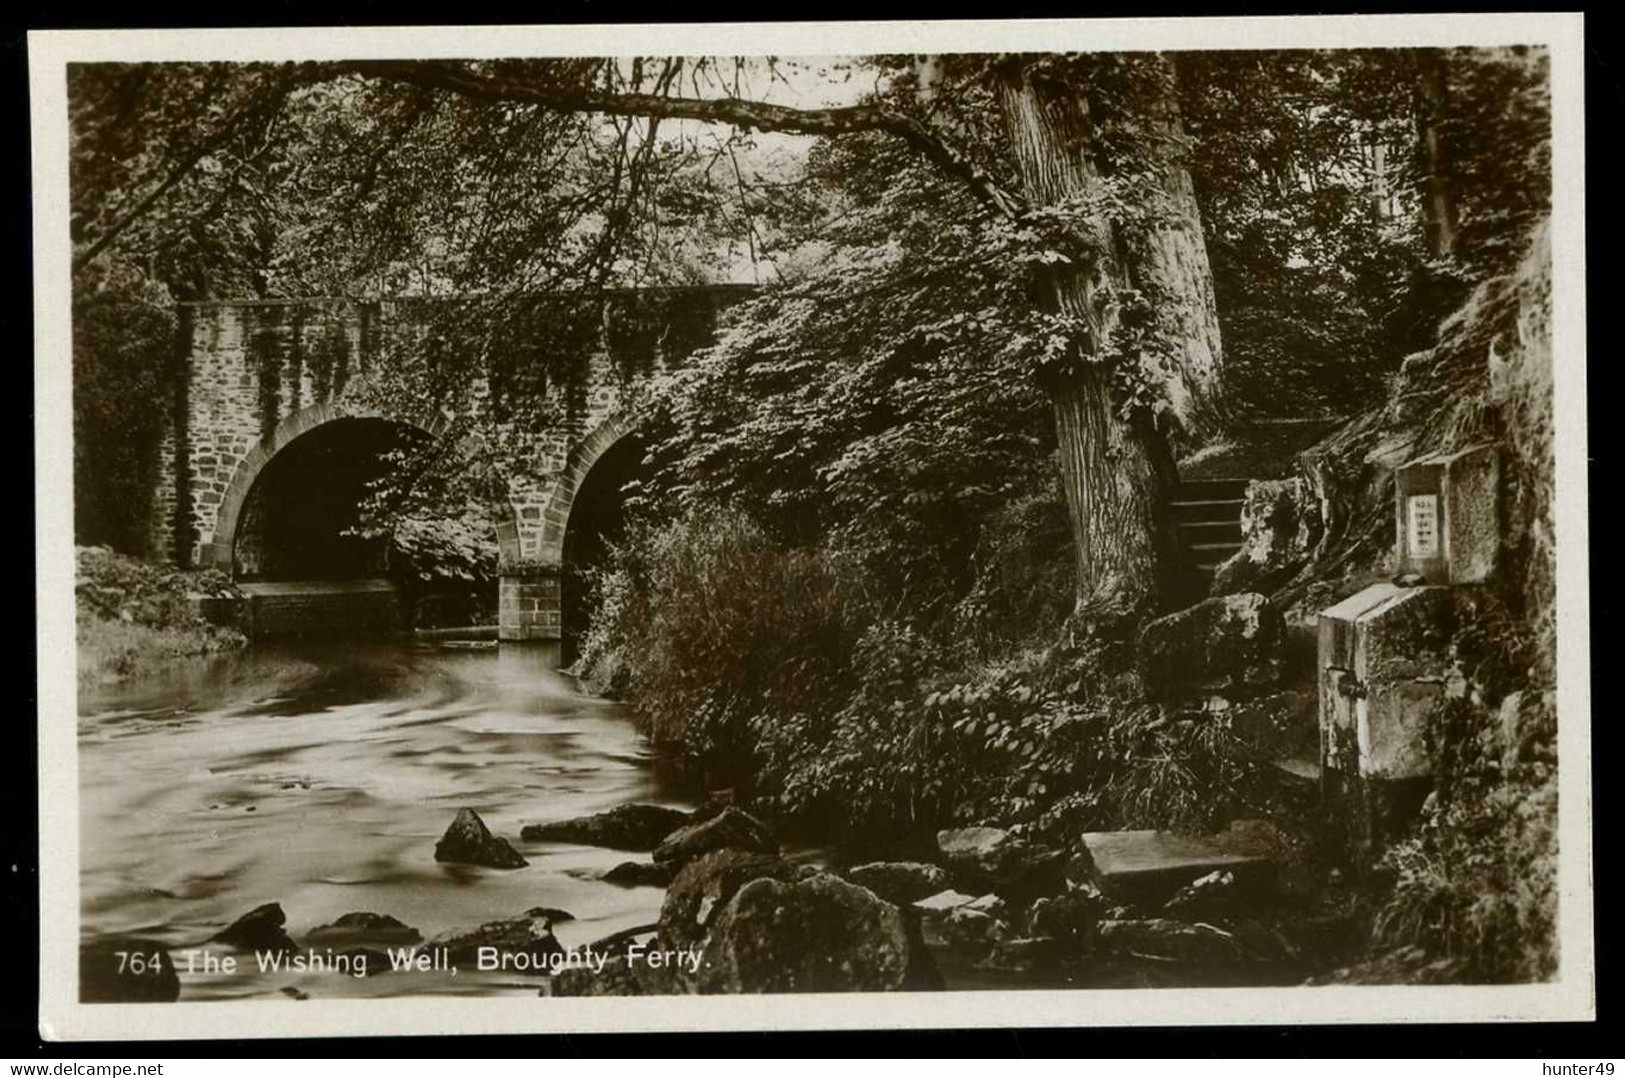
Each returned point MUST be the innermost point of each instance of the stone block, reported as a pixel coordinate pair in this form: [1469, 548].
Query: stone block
[1152, 865]
[1447, 516]
[1382, 662]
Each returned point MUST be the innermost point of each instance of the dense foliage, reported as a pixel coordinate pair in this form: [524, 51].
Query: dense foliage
[133, 616]
[123, 347]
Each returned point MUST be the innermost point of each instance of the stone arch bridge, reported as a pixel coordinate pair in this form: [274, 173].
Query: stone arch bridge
[273, 436]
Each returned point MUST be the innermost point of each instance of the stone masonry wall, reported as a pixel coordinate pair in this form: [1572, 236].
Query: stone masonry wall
[253, 375]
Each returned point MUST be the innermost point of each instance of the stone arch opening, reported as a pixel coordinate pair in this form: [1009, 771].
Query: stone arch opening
[597, 520]
[297, 519]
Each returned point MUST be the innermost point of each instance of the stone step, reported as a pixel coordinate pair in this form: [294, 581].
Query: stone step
[1228, 489]
[1206, 511]
[1149, 866]
[1209, 531]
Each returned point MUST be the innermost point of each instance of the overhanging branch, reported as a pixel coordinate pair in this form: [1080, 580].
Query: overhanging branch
[755, 115]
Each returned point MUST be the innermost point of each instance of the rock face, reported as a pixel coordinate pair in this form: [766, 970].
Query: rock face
[1280, 525]
[625, 827]
[1229, 642]
[363, 929]
[729, 828]
[900, 882]
[260, 929]
[102, 980]
[529, 936]
[821, 934]
[706, 884]
[638, 874]
[468, 841]
[992, 857]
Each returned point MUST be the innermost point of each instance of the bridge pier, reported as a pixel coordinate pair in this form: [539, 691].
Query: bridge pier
[530, 603]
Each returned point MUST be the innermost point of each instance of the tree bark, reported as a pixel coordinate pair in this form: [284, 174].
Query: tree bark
[1114, 470]
[1171, 262]
[1439, 208]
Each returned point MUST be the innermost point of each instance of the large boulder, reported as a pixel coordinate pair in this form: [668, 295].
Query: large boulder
[728, 829]
[982, 857]
[127, 970]
[522, 944]
[625, 827]
[900, 882]
[260, 929]
[468, 841]
[1226, 643]
[362, 929]
[820, 934]
[1280, 525]
[704, 886]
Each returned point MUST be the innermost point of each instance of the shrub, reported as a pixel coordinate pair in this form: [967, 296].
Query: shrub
[133, 616]
[708, 622]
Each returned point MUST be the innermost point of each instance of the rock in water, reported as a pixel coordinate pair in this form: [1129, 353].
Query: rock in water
[900, 882]
[638, 874]
[260, 929]
[127, 970]
[525, 942]
[626, 827]
[729, 828]
[362, 929]
[468, 841]
[1224, 643]
[821, 934]
[706, 884]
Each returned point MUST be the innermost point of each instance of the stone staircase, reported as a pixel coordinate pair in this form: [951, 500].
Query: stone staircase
[1207, 524]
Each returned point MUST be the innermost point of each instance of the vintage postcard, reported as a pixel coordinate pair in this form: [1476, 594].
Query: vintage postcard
[900, 525]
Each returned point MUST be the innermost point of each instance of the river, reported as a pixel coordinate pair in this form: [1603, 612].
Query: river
[319, 776]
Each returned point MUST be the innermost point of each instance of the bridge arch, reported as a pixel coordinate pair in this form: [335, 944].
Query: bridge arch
[561, 498]
[221, 552]
[543, 597]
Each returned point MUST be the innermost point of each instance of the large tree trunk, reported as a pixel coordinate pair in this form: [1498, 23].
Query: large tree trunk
[1439, 208]
[1114, 470]
[1171, 262]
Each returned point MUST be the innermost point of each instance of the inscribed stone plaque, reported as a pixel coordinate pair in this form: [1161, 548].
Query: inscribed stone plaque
[1422, 517]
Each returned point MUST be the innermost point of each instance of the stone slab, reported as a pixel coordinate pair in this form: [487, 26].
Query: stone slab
[1135, 864]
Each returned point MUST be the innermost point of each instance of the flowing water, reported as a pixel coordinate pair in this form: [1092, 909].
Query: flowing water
[320, 776]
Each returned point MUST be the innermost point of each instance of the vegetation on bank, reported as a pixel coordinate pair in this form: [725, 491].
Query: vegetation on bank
[856, 612]
[135, 617]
